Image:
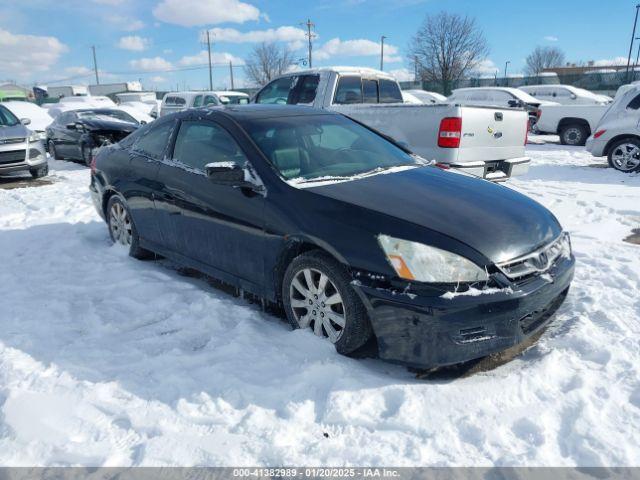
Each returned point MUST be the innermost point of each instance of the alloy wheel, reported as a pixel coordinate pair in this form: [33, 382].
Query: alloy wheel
[626, 157]
[120, 224]
[317, 303]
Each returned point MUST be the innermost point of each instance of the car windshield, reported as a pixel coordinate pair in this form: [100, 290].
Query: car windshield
[324, 147]
[7, 119]
[107, 116]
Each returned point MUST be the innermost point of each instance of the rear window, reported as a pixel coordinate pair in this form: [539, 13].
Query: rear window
[370, 91]
[635, 103]
[349, 91]
[307, 87]
[390, 92]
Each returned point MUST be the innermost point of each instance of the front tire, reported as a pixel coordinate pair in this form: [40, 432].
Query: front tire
[574, 135]
[317, 294]
[624, 155]
[51, 147]
[122, 230]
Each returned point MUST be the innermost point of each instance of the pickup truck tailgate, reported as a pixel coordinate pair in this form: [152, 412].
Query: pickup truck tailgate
[492, 134]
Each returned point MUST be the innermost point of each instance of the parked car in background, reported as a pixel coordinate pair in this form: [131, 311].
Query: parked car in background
[566, 95]
[574, 123]
[78, 134]
[77, 103]
[20, 148]
[230, 97]
[426, 97]
[39, 118]
[617, 135]
[355, 237]
[500, 96]
[138, 114]
[178, 101]
[144, 101]
[487, 142]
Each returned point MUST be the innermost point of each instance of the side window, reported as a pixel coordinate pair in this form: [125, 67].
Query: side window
[197, 102]
[635, 103]
[278, 91]
[180, 101]
[306, 89]
[369, 91]
[349, 90]
[170, 101]
[210, 100]
[502, 98]
[201, 142]
[154, 141]
[390, 92]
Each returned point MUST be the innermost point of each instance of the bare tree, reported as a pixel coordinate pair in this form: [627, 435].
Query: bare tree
[446, 47]
[543, 57]
[267, 61]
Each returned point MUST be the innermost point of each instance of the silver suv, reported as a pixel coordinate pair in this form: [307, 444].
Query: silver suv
[20, 148]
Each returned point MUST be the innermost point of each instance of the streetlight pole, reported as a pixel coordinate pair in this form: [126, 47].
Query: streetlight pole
[633, 36]
[637, 58]
[382, 52]
[506, 64]
[209, 50]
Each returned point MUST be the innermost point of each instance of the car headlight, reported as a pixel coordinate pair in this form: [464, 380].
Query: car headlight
[37, 136]
[415, 261]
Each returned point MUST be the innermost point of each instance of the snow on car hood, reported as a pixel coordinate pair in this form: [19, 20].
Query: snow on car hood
[494, 220]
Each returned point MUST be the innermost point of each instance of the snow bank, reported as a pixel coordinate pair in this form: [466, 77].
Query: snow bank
[105, 360]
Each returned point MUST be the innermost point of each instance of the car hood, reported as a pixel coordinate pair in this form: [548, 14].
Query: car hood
[496, 221]
[109, 125]
[16, 131]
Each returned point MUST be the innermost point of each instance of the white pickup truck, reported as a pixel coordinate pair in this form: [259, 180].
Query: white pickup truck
[485, 141]
[574, 123]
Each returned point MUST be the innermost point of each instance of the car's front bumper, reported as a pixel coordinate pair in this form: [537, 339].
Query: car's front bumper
[431, 331]
[24, 156]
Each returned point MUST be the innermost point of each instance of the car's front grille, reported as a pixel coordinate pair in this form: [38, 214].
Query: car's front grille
[11, 141]
[538, 261]
[13, 156]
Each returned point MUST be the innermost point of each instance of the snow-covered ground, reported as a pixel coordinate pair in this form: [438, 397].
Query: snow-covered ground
[105, 360]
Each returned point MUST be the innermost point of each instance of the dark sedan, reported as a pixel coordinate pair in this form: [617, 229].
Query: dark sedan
[77, 134]
[356, 237]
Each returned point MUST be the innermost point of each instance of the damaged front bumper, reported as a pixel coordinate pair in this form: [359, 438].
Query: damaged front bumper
[433, 329]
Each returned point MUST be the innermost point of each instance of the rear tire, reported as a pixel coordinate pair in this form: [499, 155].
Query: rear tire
[122, 230]
[574, 135]
[624, 155]
[326, 303]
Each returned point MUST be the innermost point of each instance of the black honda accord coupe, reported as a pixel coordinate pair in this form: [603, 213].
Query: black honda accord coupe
[353, 235]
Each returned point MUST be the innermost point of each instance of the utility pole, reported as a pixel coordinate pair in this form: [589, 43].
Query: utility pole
[231, 73]
[633, 36]
[382, 52]
[95, 64]
[310, 36]
[506, 82]
[209, 51]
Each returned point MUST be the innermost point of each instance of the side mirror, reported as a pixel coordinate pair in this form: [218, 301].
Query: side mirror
[25, 121]
[225, 173]
[573, 96]
[514, 103]
[143, 122]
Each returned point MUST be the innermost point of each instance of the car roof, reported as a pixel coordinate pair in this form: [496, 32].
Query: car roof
[254, 111]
